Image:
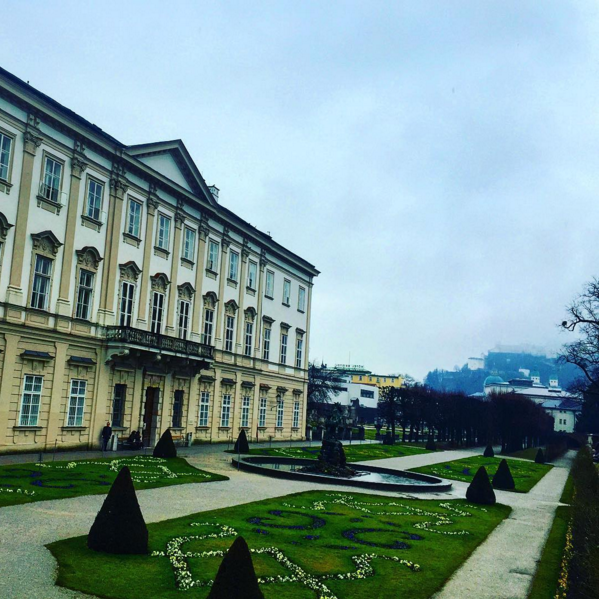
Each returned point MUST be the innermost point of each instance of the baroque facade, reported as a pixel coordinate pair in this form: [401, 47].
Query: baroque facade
[129, 294]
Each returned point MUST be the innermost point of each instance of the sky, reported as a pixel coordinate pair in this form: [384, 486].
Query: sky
[437, 161]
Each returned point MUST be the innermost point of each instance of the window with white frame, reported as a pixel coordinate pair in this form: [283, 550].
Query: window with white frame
[52, 179]
[233, 271]
[299, 356]
[286, 292]
[267, 332]
[183, 319]
[229, 336]
[85, 288]
[189, 241]
[208, 327]
[263, 410]
[248, 338]
[5, 146]
[269, 284]
[252, 281]
[283, 345]
[213, 256]
[225, 415]
[178, 406]
[244, 412]
[134, 218]
[126, 307]
[41, 282]
[296, 413]
[157, 312]
[119, 392]
[279, 411]
[94, 203]
[163, 232]
[77, 396]
[30, 400]
[204, 409]
[301, 300]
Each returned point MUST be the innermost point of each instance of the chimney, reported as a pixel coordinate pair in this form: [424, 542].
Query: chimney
[214, 192]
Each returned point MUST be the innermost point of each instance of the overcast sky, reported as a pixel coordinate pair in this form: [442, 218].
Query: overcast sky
[436, 161]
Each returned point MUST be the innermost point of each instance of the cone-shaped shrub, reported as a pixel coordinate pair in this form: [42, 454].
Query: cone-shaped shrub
[430, 444]
[241, 445]
[488, 453]
[540, 458]
[165, 448]
[119, 526]
[480, 489]
[502, 479]
[236, 577]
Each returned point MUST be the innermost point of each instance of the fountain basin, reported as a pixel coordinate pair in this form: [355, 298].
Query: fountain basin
[369, 477]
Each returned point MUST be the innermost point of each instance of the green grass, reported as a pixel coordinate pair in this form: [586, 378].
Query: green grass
[25, 483]
[526, 454]
[525, 474]
[548, 570]
[568, 491]
[354, 453]
[287, 522]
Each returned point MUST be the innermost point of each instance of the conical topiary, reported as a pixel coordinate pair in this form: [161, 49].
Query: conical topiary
[430, 444]
[488, 453]
[119, 526]
[165, 447]
[241, 445]
[540, 458]
[480, 489]
[236, 577]
[502, 479]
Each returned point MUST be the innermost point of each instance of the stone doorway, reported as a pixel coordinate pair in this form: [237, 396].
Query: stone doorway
[150, 420]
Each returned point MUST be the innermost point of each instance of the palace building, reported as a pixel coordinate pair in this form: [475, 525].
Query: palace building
[129, 294]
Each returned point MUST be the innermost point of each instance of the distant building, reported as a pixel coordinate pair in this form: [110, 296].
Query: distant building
[356, 394]
[361, 375]
[476, 363]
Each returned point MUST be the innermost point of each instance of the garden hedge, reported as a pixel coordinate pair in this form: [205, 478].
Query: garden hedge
[480, 489]
[165, 448]
[503, 478]
[430, 444]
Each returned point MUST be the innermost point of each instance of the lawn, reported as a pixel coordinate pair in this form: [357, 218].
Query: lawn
[24, 483]
[525, 474]
[526, 454]
[354, 453]
[308, 545]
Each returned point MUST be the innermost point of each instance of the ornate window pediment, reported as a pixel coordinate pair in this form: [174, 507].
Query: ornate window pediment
[4, 227]
[300, 332]
[46, 243]
[210, 300]
[268, 320]
[250, 314]
[285, 326]
[88, 257]
[231, 308]
[160, 282]
[129, 271]
[185, 291]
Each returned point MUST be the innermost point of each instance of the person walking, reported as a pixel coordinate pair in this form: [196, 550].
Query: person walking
[107, 431]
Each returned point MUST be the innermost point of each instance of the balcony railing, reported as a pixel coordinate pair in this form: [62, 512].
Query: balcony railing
[154, 341]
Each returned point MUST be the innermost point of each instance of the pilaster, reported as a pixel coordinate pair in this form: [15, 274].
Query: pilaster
[56, 394]
[263, 262]
[7, 382]
[225, 244]
[152, 203]
[241, 295]
[175, 263]
[197, 308]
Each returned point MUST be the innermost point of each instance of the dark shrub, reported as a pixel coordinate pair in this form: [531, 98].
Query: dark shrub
[430, 444]
[165, 448]
[119, 526]
[241, 445]
[503, 479]
[480, 489]
[236, 577]
[488, 453]
[388, 440]
[540, 458]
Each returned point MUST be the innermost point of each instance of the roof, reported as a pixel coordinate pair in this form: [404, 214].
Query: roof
[493, 380]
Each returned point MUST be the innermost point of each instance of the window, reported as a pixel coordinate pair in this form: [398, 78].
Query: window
[244, 413]
[229, 333]
[233, 272]
[75, 416]
[299, 356]
[204, 409]
[213, 256]
[184, 319]
[252, 275]
[366, 393]
[286, 292]
[267, 332]
[283, 344]
[157, 312]
[263, 410]
[208, 327]
[178, 404]
[163, 232]
[134, 216]
[30, 401]
[189, 240]
[248, 338]
[126, 308]
[41, 282]
[279, 412]
[296, 412]
[84, 294]
[225, 418]
[94, 200]
[118, 404]
[5, 145]
[301, 300]
[269, 284]
[52, 180]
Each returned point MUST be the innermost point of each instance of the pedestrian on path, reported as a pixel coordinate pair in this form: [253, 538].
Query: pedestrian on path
[107, 431]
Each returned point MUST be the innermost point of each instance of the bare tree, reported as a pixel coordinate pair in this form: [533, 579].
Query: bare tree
[323, 384]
